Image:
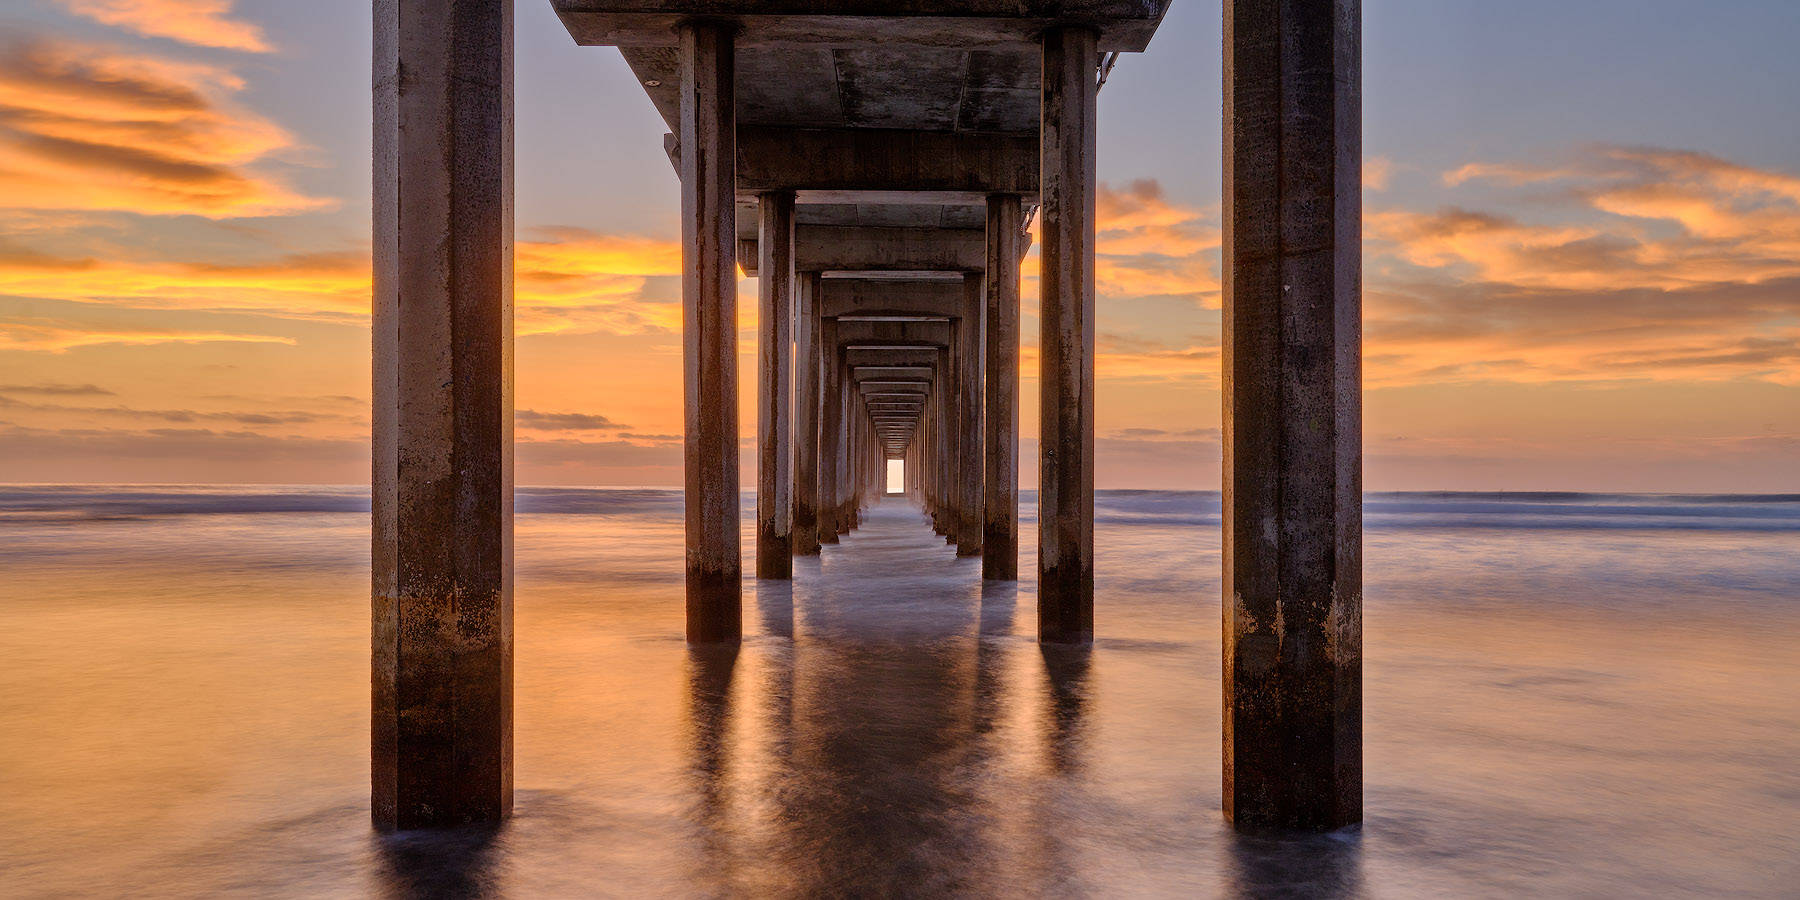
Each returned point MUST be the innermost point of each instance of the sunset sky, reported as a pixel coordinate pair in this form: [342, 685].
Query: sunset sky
[1582, 230]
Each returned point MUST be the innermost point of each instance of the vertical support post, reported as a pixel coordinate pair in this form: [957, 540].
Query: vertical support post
[969, 352]
[1293, 414]
[1000, 422]
[831, 419]
[774, 393]
[806, 415]
[442, 604]
[1066, 455]
[709, 331]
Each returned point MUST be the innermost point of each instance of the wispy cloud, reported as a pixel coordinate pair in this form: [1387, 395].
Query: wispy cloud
[205, 23]
[94, 127]
[1661, 264]
[555, 421]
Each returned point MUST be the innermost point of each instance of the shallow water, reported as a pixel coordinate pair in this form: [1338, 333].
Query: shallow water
[1566, 695]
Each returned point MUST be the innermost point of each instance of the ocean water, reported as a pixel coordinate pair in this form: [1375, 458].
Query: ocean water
[1566, 695]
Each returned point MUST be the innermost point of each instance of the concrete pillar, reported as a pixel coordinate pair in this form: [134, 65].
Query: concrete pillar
[709, 331]
[846, 501]
[442, 610]
[774, 393]
[1293, 414]
[969, 462]
[831, 417]
[1000, 421]
[944, 447]
[1066, 413]
[806, 416]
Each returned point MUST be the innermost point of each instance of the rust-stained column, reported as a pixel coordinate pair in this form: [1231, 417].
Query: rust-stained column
[1000, 421]
[806, 415]
[774, 394]
[709, 332]
[968, 388]
[831, 420]
[442, 710]
[1066, 410]
[1293, 413]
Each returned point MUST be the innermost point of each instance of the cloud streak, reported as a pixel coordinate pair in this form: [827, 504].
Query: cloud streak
[204, 23]
[94, 127]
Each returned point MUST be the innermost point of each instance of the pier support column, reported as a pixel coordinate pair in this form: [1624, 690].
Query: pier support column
[806, 415]
[442, 610]
[1293, 414]
[774, 392]
[831, 417]
[969, 352]
[1000, 421]
[1066, 411]
[708, 161]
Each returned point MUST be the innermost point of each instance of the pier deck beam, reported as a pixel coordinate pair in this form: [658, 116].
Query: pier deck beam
[1293, 414]
[709, 333]
[442, 705]
[774, 393]
[1066, 419]
[1000, 420]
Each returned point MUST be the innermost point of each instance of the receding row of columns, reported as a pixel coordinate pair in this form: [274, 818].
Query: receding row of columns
[442, 434]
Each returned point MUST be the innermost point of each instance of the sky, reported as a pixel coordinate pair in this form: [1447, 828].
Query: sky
[1582, 249]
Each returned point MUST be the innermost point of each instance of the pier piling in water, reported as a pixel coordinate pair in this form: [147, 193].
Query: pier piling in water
[442, 492]
[1293, 414]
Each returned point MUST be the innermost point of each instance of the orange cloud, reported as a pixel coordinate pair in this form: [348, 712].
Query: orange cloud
[576, 282]
[200, 22]
[87, 127]
[1147, 246]
[1668, 265]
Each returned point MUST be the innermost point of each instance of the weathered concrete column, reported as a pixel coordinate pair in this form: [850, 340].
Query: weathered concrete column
[442, 710]
[1066, 411]
[806, 415]
[709, 331]
[1000, 420]
[943, 477]
[1293, 413]
[969, 352]
[846, 486]
[831, 420]
[774, 394]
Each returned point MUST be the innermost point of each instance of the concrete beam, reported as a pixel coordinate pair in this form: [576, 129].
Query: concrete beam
[892, 161]
[909, 357]
[1124, 25]
[442, 703]
[838, 248]
[709, 334]
[851, 297]
[921, 334]
[1293, 414]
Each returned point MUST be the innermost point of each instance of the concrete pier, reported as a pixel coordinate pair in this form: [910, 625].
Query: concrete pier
[1066, 413]
[442, 707]
[890, 153]
[707, 143]
[1293, 414]
[1000, 418]
[774, 393]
